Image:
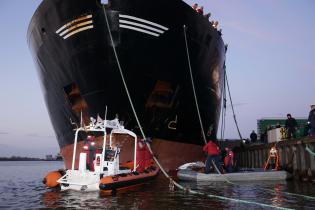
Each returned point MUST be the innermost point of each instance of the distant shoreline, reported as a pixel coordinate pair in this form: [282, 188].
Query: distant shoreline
[26, 159]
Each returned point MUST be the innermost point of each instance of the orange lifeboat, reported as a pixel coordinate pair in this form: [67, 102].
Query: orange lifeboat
[120, 182]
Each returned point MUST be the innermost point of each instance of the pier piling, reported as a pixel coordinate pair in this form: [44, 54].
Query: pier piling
[293, 154]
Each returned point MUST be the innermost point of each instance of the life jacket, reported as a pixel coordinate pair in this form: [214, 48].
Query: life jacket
[228, 159]
[273, 152]
[273, 156]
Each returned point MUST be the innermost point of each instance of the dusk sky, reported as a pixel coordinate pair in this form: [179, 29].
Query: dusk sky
[270, 65]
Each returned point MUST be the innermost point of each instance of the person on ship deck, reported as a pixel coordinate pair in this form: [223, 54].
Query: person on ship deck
[200, 10]
[194, 6]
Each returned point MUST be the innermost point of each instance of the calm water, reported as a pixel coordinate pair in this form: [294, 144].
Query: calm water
[21, 188]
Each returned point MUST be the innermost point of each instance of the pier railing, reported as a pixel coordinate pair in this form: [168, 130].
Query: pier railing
[296, 156]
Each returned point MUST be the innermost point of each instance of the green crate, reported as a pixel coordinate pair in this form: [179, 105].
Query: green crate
[264, 123]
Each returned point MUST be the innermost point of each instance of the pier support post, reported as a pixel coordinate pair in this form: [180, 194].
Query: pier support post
[281, 156]
[295, 160]
[312, 162]
[292, 153]
[302, 161]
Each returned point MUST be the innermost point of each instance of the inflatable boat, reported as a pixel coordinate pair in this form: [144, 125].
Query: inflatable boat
[194, 172]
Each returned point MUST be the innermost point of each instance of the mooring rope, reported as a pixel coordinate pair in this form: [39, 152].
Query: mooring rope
[234, 116]
[129, 98]
[226, 84]
[149, 147]
[223, 108]
[309, 150]
[196, 101]
[193, 87]
[292, 194]
[270, 190]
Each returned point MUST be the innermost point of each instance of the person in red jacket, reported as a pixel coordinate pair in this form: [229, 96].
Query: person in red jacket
[229, 160]
[212, 150]
[89, 148]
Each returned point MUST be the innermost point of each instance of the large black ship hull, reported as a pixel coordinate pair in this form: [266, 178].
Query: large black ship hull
[79, 73]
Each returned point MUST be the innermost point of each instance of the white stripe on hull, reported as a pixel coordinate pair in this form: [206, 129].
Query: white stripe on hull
[144, 21]
[142, 25]
[138, 29]
[75, 26]
[73, 22]
[77, 31]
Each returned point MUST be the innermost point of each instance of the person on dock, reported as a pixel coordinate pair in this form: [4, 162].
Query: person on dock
[290, 126]
[264, 136]
[311, 120]
[253, 137]
[229, 160]
[212, 150]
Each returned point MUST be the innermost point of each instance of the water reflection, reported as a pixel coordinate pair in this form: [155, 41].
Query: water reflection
[27, 192]
[157, 196]
[50, 199]
[277, 199]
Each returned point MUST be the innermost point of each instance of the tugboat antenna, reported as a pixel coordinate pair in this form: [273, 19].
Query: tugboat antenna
[81, 120]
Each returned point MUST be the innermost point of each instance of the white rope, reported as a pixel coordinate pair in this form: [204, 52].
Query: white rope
[193, 86]
[309, 150]
[196, 101]
[218, 171]
[129, 98]
[201, 125]
[148, 145]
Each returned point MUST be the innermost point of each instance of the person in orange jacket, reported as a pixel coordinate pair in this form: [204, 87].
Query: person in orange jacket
[273, 159]
[212, 150]
[229, 160]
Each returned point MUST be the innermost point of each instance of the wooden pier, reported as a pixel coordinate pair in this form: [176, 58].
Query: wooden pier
[294, 157]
